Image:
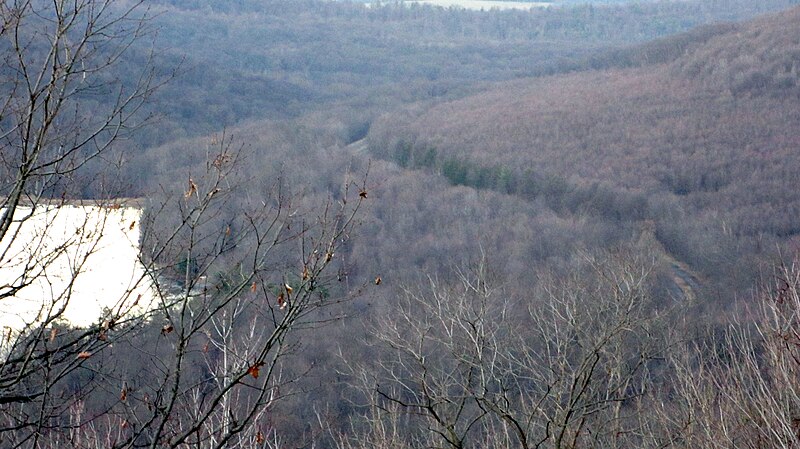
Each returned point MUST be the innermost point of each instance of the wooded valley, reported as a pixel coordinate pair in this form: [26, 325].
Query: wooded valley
[405, 226]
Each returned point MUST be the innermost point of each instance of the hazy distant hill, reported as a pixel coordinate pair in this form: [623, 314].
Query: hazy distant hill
[277, 59]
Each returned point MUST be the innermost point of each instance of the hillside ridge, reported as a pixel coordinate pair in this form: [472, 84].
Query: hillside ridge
[704, 145]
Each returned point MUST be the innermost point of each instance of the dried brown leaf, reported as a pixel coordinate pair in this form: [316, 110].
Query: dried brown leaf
[192, 188]
[281, 301]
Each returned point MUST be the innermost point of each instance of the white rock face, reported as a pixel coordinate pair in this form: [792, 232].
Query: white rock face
[82, 259]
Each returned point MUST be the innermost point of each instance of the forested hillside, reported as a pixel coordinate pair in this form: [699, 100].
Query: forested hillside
[701, 142]
[247, 60]
[402, 226]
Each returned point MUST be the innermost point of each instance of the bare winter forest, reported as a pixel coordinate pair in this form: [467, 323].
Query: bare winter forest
[341, 224]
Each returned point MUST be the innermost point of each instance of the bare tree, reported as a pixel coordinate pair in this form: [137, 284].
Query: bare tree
[57, 61]
[190, 353]
[737, 385]
[472, 366]
[201, 365]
